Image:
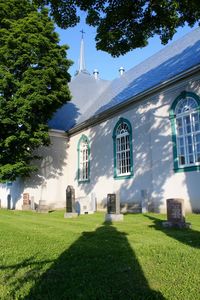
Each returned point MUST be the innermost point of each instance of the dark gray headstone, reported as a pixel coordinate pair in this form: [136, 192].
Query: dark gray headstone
[175, 210]
[111, 203]
[70, 199]
[113, 208]
[176, 214]
[8, 201]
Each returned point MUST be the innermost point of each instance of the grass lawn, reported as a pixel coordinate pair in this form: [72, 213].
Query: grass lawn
[44, 256]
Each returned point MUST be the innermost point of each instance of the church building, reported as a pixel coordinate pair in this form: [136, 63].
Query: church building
[137, 136]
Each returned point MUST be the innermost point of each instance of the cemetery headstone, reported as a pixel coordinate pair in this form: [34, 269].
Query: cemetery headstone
[111, 203]
[32, 203]
[26, 202]
[70, 203]
[8, 201]
[176, 214]
[43, 207]
[144, 202]
[113, 208]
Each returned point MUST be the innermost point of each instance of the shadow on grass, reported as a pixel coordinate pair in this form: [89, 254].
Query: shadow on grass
[99, 265]
[186, 236]
[15, 276]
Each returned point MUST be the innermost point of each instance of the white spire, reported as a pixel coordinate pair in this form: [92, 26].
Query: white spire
[82, 57]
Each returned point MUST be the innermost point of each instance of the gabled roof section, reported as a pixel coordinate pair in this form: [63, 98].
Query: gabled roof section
[164, 65]
[85, 90]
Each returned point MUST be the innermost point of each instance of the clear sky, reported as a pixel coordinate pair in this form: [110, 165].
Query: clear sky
[107, 65]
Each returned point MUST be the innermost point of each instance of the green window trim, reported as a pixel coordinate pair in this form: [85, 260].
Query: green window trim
[128, 176]
[172, 117]
[83, 138]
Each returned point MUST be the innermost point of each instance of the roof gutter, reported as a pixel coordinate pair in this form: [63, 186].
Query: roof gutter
[114, 110]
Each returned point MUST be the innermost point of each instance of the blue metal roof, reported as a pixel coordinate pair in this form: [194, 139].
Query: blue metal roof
[91, 97]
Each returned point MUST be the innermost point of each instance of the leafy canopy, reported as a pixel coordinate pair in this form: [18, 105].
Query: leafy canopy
[33, 84]
[123, 25]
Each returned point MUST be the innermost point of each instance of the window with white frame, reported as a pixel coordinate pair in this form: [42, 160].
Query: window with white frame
[123, 149]
[187, 123]
[83, 157]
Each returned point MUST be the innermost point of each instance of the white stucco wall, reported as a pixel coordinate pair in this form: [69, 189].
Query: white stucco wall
[49, 183]
[153, 176]
[152, 156]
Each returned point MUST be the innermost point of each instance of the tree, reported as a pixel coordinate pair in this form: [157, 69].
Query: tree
[123, 25]
[33, 84]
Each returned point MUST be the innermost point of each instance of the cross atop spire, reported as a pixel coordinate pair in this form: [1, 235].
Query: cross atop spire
[83, 32]
[82, 57]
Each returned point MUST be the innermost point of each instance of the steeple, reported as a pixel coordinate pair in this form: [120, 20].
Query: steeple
[82, 57]
[81, 63]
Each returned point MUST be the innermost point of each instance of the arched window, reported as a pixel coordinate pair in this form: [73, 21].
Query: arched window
[83, 159]
[185, 121]
[122, 141]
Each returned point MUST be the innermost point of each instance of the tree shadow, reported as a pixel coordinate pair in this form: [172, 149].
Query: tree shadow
[51, 168]
[154, 176]
[186, 236]
[99, 265]
[14, 273]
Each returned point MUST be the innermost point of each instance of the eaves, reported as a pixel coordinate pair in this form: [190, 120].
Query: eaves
[98, 118]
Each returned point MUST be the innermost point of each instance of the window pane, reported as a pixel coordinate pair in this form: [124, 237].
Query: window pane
[180, 142]
[123, 149]
[189, 139]
[195, 120]
[197, 138]
[198, 147]
[179, 126]
[187, 131]
[83, 160]
[181, 160]
[191, 159]
[198, 157]
[186, 105]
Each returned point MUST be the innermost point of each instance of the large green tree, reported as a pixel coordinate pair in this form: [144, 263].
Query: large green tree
[33, 83]
[123, 25]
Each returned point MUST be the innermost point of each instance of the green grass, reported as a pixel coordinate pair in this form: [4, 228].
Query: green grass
[44, 256]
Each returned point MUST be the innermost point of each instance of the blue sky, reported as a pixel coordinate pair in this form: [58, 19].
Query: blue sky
[107, 65]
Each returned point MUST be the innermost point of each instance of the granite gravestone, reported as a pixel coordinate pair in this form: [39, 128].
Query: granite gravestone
[9, 201]
[70, 203]
[111, 203]
[113, 208]
[176, 214]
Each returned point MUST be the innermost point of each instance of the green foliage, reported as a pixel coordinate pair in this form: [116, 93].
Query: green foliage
[125, 25]
[33, 83]
[44, 256]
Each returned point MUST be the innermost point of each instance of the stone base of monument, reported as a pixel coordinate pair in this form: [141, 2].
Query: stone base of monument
[181, 225]
[70, 215]
[43, 207]
[26, 207]
[114, 217]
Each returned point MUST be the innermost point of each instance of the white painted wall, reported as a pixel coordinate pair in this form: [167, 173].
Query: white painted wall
[152, 156]
[152, 159]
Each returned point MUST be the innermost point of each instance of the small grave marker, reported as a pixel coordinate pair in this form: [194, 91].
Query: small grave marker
[26, 202]
[70, 203]
[111, 203]
[43, 207]
[176, 214]
[113, 208]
